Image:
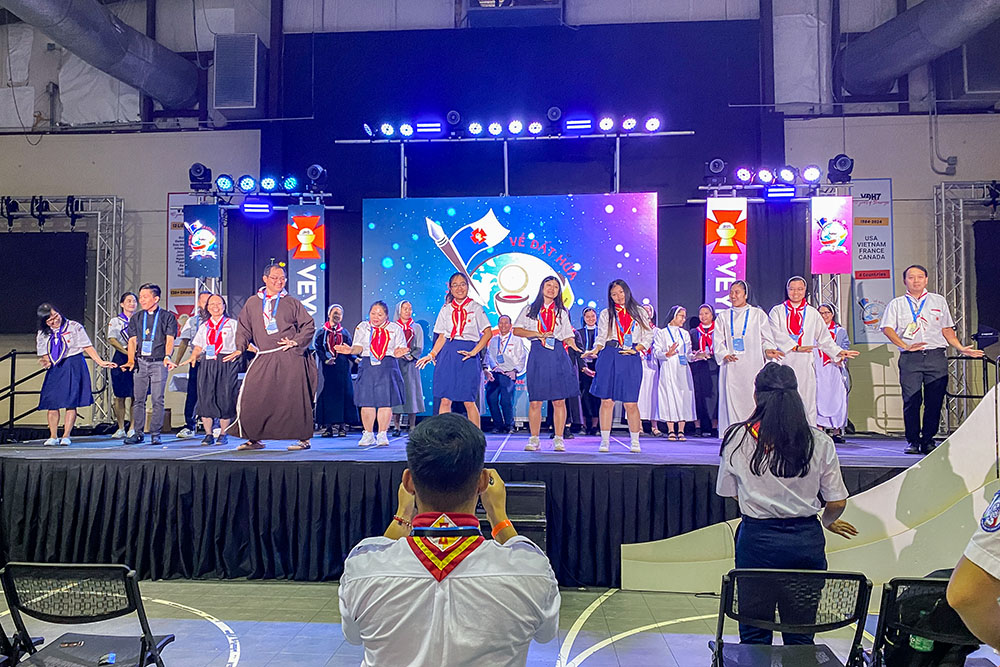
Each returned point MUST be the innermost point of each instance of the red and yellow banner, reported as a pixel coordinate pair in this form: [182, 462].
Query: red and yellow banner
[725, 247]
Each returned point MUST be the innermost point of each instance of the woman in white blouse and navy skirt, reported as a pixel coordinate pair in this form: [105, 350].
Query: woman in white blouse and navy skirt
[463, 331]
[121, 381]
[624, 332]
[60, 344]
[777, 465]
[551, 375]
[379, 385]
[218, 379]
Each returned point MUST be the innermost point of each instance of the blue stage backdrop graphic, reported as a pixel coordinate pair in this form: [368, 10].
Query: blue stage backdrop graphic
[506, 246]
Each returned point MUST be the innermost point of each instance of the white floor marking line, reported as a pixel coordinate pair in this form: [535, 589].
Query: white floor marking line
[567, 645]
[628, 447]
[496, 455]
[231, 637]
[578, 660]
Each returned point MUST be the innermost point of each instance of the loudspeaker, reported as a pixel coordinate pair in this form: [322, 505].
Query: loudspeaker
[239, 83]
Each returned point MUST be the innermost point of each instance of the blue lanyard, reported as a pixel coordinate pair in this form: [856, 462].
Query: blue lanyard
[684, 345]
[509, 336]
[274, 311]
[916, 313]
[746, 318]
[152, 334]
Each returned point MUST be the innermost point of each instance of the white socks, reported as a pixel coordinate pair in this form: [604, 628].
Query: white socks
[605, 436]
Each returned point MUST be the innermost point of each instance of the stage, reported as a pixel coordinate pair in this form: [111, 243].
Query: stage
[191, 511]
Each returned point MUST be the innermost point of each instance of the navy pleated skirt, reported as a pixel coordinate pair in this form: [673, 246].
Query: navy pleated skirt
[121, 381]
[551, 375]
[454, 378]
[378, 386]
[66, 385]
[218, 388]
[618, 376]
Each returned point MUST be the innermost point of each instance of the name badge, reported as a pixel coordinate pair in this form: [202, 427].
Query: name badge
[683, 359]
[272, 327]
[210, 352]
[627, 341]
[550, 342]
[147, 348]
[738, 345]
[374, 362]
[911, 330]
[499, 358]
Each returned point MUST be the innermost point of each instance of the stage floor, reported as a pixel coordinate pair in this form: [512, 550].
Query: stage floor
[859, 451]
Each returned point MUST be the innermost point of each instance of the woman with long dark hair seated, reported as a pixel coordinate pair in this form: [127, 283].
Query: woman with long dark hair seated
[777, 466]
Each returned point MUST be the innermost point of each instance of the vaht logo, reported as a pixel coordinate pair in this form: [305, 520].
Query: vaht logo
[871, 196]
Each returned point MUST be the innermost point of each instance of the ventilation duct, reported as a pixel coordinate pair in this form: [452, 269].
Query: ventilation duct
[88, 29]
[870, 65]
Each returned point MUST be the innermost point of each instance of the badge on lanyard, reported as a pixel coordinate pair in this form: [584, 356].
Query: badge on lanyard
[550, 342]
[683, 359]
[682, 356]
[627, 341]
[738, 344]
[913, 327]
[272, 321]
[210, 352]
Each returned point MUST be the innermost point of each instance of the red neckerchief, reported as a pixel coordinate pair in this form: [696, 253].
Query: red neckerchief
[623, 323]
[380, 340]
[459, 317]
[547, 318]
[215, 334]
[833, 334]
[796, 319]
[334, 335]
[441, 555]
[705, 338]
[407, 330]
[755, 430]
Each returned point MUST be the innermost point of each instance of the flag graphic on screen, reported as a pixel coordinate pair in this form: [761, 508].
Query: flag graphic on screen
[463, 246]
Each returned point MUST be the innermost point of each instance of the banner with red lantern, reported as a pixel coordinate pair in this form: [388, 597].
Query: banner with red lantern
[307, 258]
[725, 247]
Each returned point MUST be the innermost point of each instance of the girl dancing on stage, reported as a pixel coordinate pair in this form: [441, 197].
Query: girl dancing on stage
[551, 374]
[623, 332]
[413, 390]
[121, 381]
[379, 385]
[672, 347]
[463, 331]
[66, 386]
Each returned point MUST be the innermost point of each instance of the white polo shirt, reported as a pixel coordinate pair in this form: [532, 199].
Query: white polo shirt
[984, 547]
[363, 337]
[933, 316]
[513, 349]
[74, 337]
[475, 324]
[563, 328]
[768, 497]
[485, 612]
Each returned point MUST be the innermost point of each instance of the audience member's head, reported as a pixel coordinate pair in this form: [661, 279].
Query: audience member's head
[445, 457]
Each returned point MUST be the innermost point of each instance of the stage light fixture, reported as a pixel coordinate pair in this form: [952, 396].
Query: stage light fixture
[579, 124]
[224, 183]
[780, 191]
[765, 176]
[607, 124]
[453, 117]
[788, 174]
[495, 129]
[553, 114]
[515, 127]
[839, 169]
[73, 208]
[317, 177]
[715, 171]
[535, 127]
[406, 130]
[289, 184]
[653, 124]
[744, 175]
[200, 177]
[475, 129]
[268, 183]
[256, 206]
[430, 127]
[812, 174]
[368, 130]
[629, 124]
[8, 207]
[39, 208]
[246, 184]
[387, 130]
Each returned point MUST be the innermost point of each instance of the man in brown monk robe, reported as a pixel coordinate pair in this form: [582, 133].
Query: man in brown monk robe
[276, 400]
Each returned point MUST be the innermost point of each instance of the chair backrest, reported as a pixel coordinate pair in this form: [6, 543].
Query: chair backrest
[919, 607]
[69, 594]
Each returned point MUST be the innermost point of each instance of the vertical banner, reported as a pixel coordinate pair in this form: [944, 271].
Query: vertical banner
[830, 235]
[203, 241]
[873, 285]
[725, 247]
[179, 290]
[307, 258]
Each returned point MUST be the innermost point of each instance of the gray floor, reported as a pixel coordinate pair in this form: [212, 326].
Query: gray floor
[255, 624]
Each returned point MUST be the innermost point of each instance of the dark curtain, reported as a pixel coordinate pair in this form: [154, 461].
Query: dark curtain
[987, 239]
[286, 520]
[777, 249]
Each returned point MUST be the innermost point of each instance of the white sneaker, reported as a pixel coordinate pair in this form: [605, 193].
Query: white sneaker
[185, 433]
[382, 440]
[367, 439]
[51, 442]
[130, 433]
[559, 445]
[533, 444]
[119, 434]
[216, 432]
[605, 447]
[635, 448]
[65, 442]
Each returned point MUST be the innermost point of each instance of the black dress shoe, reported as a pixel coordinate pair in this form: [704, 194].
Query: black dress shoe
[552, 434]
[698, 433]
[342, 432]
[929, 447]
[395, 432]
[569, 435]
[913, 449]
[838, 439]
[328, 433]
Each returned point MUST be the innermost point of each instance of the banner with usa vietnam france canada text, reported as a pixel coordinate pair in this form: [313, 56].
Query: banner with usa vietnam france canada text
[873, 285]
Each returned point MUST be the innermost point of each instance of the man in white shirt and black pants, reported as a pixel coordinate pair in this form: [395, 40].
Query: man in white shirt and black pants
[919, 323]
[506, 357]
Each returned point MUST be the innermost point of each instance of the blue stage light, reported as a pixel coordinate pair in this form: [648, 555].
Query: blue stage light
[744, 175]
[535, 127]
[607, 124]
[653, 124]
[495, 129]
[368, 130]
[289, 184]
[812, 174]
[780, 191]
[579, 124]
[765, 176]
[224, 183]
[268, 183]
[387, 130]
[515, 127]
[256, 206]
[788, 174]
[475, 129]
[434, 127]
[629, 124]
[247, 183]
[406, 130]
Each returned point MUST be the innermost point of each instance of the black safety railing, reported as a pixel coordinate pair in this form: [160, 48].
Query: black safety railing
[10, 392]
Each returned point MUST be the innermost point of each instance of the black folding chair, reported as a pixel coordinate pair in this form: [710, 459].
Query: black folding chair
[79, 594]
[796, 601]
[913, 607]
[10, 652]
